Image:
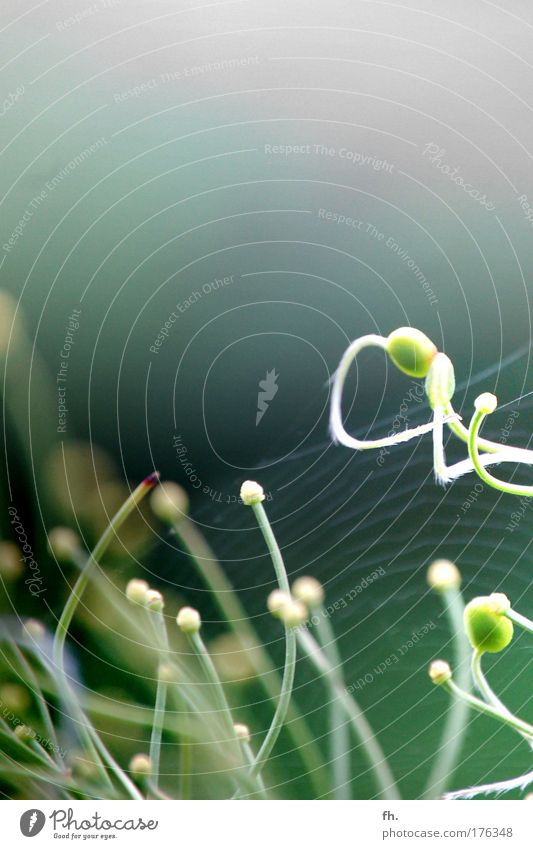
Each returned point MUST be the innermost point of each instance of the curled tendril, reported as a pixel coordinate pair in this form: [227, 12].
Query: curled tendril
[416, 355]
[485, 404]
[338, 432]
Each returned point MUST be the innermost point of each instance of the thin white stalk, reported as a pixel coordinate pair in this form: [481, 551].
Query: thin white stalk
[521, 621]
[498, 787]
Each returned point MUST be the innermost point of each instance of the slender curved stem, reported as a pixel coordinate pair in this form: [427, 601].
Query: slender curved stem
[250, 757]
[243, 778]
[520, 455]
[473, 451]
[482, 707]
[101, 546]
[231, 608]
[339, 735]
[159, 708]
[88, 734]
[383, 776]
[486, 690]
[453, 735]
[290, 646]
[31, 679]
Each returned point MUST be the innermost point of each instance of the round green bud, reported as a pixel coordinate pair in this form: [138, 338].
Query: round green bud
[443, 575]
[141, 767]
[169, 502]
[276, 601]
[309, 591]
[63, 544]
[440, 672]
[486, 403]
[136, 591]
[411, 351]
[189, 620]
[11, 563]
[293, 614]
[242, 732]
[440, 381]
[154, 601]
[252, 493]
[486, 625]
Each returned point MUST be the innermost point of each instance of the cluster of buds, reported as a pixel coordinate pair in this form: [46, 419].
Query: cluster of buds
[288, 609]
[140, 593]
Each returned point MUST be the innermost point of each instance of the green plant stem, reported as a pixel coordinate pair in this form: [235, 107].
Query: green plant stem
[31, 680]
[474, 443]
[486, 690]
[186, 761]
[506, 718]
[160, 705]
[383, 776]
[339, 737]
[250, 758]
[231, 608]
[200, 650]
[290, 646]
[523, 455]
[88, 734]
[93, 561]
[482, 684]
[447, 756]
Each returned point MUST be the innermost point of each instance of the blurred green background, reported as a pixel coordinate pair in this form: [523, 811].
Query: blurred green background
[282, 178]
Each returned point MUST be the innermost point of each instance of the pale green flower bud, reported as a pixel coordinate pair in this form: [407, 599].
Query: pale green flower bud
[486, 403]
[440, 672]
[169, 502]
[293, 614]
[486, 625]
[141, 767]
[440, 381]
[154, 601]
[276, 601]
[411, 351]
[242, 732]
[443, 575]
[252, 493]
[189, 620]
[136, 591]
[309, 591]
